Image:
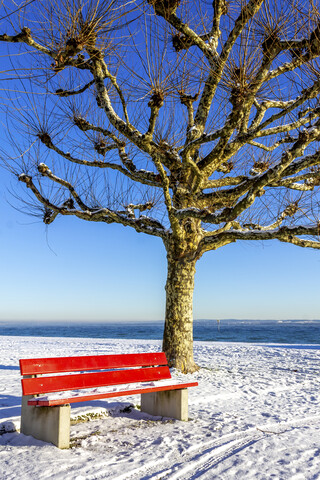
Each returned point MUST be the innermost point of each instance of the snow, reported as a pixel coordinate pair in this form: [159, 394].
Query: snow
[255, 415]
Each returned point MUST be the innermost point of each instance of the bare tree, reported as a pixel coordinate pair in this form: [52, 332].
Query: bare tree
[195, 122]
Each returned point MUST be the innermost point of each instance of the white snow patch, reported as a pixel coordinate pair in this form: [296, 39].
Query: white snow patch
[255, 415]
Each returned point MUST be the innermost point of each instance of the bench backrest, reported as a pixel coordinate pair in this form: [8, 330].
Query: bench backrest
[100, 370]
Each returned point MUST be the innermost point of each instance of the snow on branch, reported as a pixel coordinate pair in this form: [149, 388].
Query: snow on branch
[142, 176]
[289, 127]
[283, 234]
[303, 51]
[46, 172]
[307, 161]
[289, 211]
[142, 207]
[306, 95]
[51, 211]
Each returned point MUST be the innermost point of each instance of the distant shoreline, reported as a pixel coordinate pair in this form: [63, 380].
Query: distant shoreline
[93, 321]
[244, 331]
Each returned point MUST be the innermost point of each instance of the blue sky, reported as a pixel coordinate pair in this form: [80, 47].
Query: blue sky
[76, 270]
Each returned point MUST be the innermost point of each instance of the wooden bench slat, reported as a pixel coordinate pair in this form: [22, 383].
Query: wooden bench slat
[97, 396]
[40, 385]
[38, 366]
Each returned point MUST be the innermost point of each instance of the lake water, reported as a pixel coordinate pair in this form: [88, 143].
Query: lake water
[251, 331]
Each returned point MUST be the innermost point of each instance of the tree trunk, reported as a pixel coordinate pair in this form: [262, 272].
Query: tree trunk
[178, 330]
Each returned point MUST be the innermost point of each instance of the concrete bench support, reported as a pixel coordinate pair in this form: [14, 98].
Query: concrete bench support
[170, 403]
[49, 424]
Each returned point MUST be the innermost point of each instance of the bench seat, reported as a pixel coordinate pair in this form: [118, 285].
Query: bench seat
[50, 385]
[119, 391]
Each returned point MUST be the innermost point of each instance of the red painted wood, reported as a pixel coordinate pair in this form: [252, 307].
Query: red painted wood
[84, 398]
[38, 366]
[40, 385]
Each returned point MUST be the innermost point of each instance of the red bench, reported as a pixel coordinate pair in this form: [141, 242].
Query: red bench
[49, 385]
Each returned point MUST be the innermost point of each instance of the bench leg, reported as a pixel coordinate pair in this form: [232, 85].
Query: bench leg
[49, 424]
[170, 403]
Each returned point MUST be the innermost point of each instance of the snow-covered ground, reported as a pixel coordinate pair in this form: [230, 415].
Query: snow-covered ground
[255, 415]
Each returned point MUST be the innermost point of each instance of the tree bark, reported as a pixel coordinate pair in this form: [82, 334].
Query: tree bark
[178, 330]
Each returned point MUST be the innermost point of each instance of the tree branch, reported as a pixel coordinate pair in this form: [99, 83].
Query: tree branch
[142, 224]
[284, 234]
[67, 93]
[46, 172]
[142, 176]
